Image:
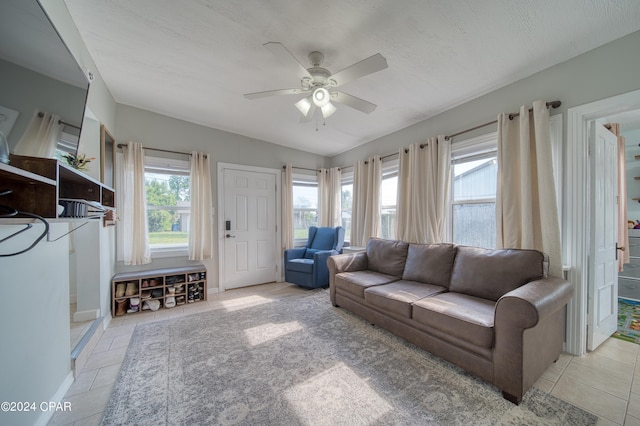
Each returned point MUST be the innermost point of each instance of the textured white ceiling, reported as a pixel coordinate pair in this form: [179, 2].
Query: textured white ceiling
[194, 59]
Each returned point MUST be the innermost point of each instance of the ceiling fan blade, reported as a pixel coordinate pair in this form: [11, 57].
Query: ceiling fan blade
[307, 118]
[286, 57]
[367, 66]
[353, 102]
[257, 95]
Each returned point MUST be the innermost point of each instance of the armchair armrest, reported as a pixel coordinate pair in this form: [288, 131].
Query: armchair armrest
[530, 304]
[294, 253]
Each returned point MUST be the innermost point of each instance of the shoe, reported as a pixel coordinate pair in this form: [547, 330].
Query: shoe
[156, 292]
[145, 306]
[170, 302]
[145, 283]
[179, 288]
[180, 300]
[146, 294]
[171, 290]
[154, 305]
[153, 282]
[120, 289]
[121, 307]
[132, 289]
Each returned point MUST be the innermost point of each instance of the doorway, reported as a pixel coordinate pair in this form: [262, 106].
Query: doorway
[249, 240]
[578, 207]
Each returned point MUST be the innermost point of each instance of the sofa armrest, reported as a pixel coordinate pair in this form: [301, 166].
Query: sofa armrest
[530, 304]
[348, 262]
[294, 253]
[529, 328]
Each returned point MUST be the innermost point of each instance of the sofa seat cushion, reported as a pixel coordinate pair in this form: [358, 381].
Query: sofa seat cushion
[397, 297]
[357, 282]
[300, 265]
[466, 317]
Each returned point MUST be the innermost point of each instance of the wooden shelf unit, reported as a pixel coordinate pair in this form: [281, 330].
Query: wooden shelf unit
[189, 284]
[39, 183]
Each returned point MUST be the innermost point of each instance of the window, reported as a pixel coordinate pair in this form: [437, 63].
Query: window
[168, 204]
[305, 206]
[473, 199]
[389, 199]
[347, 203]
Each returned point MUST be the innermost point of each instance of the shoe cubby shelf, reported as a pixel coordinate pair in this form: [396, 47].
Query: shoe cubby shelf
[134, 292]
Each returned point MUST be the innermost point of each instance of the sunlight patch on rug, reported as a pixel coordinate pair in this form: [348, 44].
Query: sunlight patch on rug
[266, 332]
[244, 302]
[332, 394]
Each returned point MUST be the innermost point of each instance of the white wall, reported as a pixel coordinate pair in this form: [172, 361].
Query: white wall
[35, 362]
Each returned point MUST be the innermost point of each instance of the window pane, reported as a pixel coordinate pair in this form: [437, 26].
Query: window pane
[388, 200]
[305, 209]
[474, 224]
[347, 202]
[475, 180]
[168, 209]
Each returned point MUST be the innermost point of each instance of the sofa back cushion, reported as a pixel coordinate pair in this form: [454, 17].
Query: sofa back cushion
[387, 256]
[489, 273]
[430, 263]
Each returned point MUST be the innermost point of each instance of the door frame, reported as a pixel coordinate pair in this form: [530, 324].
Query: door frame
[577, 208]
[278, 178]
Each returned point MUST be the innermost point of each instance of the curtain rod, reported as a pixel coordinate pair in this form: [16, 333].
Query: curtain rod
[41, 114]
[552, 104]
[121, 145]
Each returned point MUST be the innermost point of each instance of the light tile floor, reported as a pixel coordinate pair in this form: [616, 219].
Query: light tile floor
[605, 382]
[78, 329]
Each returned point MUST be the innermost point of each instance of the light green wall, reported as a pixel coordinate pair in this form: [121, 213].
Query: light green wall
[601, 73]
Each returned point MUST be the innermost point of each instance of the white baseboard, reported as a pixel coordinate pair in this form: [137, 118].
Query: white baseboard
[89, 315]
[46, 415]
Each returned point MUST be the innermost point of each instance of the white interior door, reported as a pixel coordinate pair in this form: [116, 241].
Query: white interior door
[603, 266]
[249, 230]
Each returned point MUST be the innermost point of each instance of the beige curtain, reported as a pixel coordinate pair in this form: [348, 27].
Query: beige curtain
[424, 177]
[365, 214]
[287, 207]
[41, 137]
[134, 210]
[330, 197]
[623, 230]
[200, 220]
[526, 210]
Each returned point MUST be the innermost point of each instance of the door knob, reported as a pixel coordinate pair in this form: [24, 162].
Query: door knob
[230, 236]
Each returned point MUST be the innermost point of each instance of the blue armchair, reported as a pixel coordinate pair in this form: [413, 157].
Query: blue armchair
[307, 266]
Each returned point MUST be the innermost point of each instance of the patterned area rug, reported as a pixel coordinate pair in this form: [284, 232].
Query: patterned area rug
[297, 360]
[628, 321]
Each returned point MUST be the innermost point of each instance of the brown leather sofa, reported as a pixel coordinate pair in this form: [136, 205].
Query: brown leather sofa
[495, 313]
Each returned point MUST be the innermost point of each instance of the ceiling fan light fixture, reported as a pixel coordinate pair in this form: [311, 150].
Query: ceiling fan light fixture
[321, 97]
[327, 110]
[304, 105]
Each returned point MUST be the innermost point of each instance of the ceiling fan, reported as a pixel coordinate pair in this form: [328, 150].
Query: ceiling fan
[320, 85]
